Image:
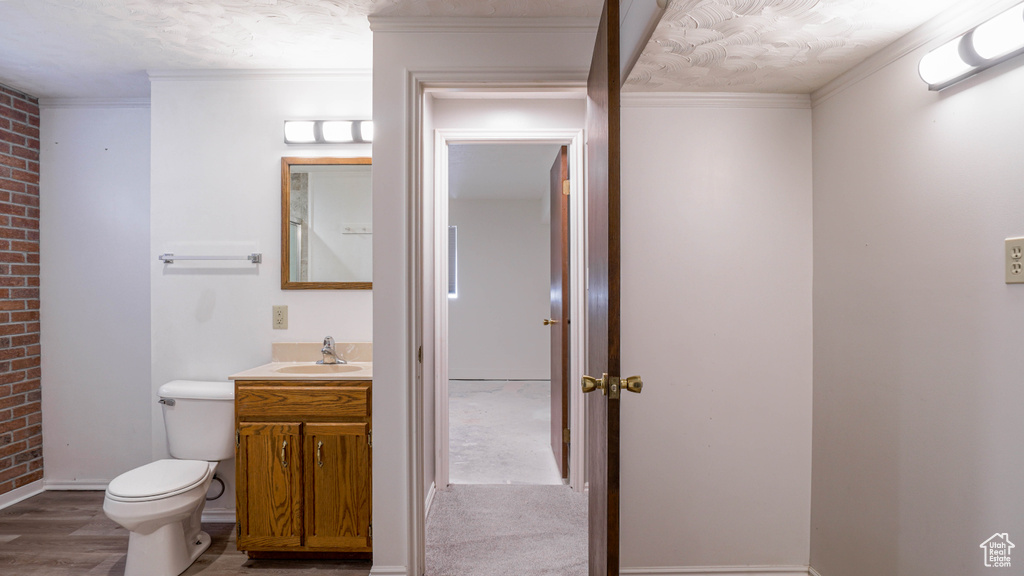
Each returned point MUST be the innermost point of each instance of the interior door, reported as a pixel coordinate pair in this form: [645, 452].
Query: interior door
[603, 294]
[559, 318]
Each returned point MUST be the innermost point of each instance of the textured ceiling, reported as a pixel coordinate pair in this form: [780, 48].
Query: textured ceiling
[102, 48]
[788, 46]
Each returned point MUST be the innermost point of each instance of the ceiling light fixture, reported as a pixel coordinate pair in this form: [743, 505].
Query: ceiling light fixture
[328, 131]
[995, 41]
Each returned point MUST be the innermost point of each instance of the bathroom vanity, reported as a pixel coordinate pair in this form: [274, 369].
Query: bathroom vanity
[304, 459]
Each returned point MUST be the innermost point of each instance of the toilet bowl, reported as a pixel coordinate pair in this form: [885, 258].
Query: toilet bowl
[161, 504]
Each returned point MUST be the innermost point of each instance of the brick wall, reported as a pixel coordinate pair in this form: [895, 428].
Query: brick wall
[21, 438]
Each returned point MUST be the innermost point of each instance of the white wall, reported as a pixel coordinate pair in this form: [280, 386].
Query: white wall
[217, 145]
[504, 281]
[716, 317]
[917, 426]
[502, 53]
[94, 292]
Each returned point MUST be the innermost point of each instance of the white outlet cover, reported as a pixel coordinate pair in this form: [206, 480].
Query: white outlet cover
[1015, 260]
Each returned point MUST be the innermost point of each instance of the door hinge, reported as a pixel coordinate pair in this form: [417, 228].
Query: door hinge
[238, 438]
[419, 355]
[238, 529]
[371, 532]
[565, 187]
[565, 435]
[369, 438]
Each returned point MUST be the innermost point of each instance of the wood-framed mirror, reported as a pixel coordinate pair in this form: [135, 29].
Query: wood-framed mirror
[326, 224]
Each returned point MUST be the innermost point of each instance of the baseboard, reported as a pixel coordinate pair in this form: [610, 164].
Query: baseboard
[812, 571]
[221, 516]
[92, 484]
[429, 500]
[22, 493]
[389, 571]
[718, 571]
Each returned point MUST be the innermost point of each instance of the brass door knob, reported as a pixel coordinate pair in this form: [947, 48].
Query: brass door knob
[590, 383]
[548, 321]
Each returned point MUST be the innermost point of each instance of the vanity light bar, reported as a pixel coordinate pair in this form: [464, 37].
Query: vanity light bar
[328, 131]
[995, 41]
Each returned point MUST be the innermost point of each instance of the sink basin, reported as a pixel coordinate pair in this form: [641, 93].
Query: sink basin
[318, 369]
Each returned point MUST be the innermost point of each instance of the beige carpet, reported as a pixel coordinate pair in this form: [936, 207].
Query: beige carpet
[507, 530]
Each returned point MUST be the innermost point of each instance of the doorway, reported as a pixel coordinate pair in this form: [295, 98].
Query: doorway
[499, 350]
[447, 142]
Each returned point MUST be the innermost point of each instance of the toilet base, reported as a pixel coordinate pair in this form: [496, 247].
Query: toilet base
[164, 552]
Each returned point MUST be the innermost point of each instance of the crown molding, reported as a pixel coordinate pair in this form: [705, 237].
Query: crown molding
[51, 103]
[714, 100]
[946, 25]
[260, 74]
[489, 25]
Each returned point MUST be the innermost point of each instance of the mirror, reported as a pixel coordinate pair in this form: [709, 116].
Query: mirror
[326, 224]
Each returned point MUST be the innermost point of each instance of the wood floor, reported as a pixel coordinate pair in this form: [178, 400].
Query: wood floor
[66, 533]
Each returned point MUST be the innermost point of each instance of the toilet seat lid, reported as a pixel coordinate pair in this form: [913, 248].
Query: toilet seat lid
[160, 478]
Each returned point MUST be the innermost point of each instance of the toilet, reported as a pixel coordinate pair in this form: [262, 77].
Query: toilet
[161, 503]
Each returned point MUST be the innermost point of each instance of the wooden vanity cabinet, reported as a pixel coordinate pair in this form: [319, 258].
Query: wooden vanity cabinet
[303, 467]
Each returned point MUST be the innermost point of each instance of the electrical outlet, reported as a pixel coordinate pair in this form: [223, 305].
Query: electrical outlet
[280, 317]
[1015, 260]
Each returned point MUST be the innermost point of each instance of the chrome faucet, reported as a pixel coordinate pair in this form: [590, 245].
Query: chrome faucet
[331, 356]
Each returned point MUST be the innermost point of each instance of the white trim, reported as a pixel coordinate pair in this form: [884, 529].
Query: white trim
[481, 25]
[50, 103]
[429, 499]
[219, 516]
[22, 493]
[718, 571]
[91, 484]
[262, 74]
[714, 100]
[950, 23]
[389, 571]
[812, 571]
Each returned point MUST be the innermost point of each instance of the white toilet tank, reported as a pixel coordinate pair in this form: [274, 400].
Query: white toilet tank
[199, 417]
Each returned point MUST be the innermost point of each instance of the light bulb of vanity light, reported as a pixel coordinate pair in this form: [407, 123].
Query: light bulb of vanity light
[338, 131]
[1001, 35]
[299, 132]
[366, 130]
[943, 64]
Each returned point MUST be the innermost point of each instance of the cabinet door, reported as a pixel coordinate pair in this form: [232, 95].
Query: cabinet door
[338, 486]
[269, 485]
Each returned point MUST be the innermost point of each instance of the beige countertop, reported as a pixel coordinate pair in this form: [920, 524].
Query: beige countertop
[298, 371]
[296, 361]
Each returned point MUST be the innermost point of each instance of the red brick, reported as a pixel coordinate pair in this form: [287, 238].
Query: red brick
[33, 432]
[12, 257]
[24, 363]
[13, 161]
[29, 478]
[12, 329]
[23, 152]
[15, 209]
[25, 200]
[11, 425]
[13, 472]
[12, 449]
[24, 246]
[25, 316]
[27, 270]
[12, 186]
[25, 387]
[25, 340]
